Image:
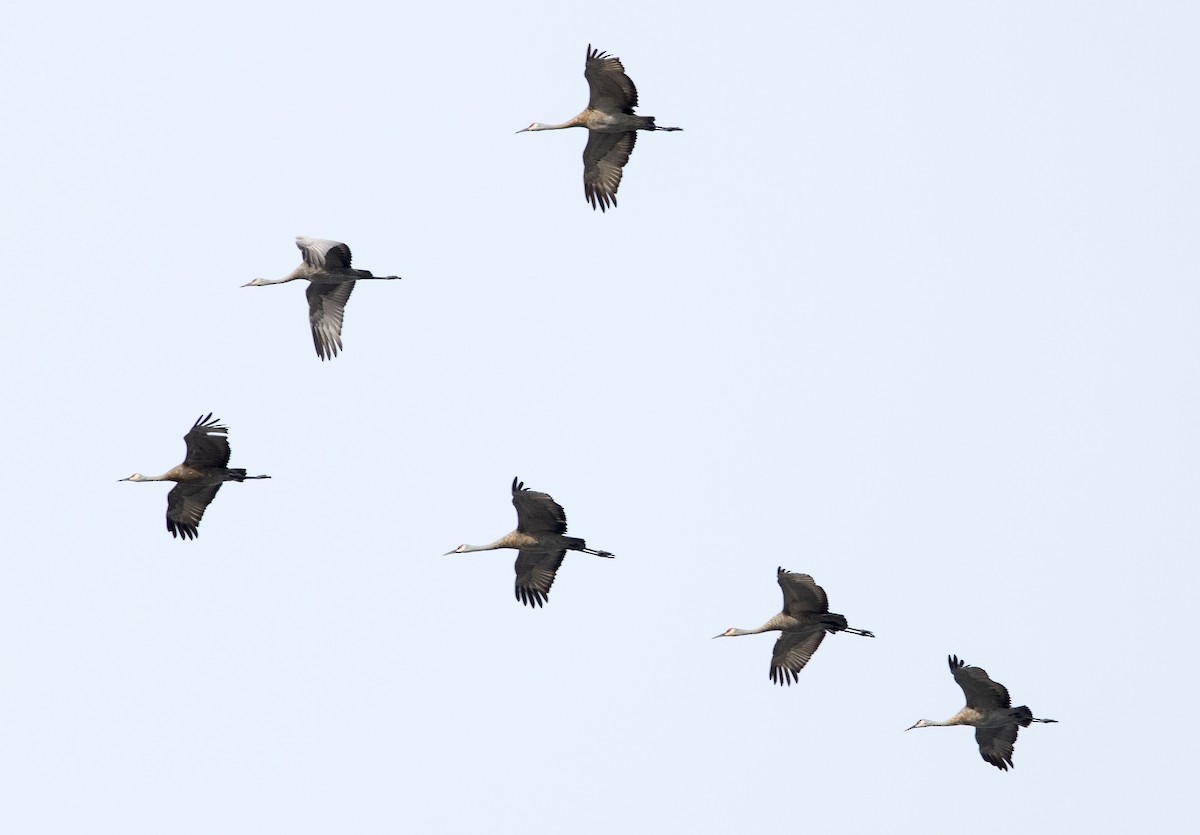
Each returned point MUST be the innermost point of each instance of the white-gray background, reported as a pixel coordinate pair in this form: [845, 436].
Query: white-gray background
[909, 306]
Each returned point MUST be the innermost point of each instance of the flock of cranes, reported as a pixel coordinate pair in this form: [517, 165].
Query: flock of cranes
[540, 538]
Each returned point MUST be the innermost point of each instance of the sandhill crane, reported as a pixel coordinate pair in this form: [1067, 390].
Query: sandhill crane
[198, 478]
[804, 621]
[989, 709]
[612, 127]
[541, 525]
[326, 266]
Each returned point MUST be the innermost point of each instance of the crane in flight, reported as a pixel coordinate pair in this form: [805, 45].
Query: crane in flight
[326, 267]
[989, 709]
[198, 478]
[611, 124]
[804, 621]
[541, 542]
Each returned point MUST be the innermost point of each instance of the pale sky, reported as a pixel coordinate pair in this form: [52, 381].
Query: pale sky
[910, 305]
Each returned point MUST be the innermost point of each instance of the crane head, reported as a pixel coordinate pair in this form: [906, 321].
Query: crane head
[920, 723]
[461, 549]
[134, 477]
[534, 126]
[726, 633]
[258, 282]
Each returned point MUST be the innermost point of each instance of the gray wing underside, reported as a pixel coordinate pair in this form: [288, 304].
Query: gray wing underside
[537, 513]
[535, 575]
[981, 692]
[996, 744]
[792, 651]
[320, 254]
[604, 159]
[326, 307]
[185, 508]
[207, 444]
[801, 594]
[610, 89]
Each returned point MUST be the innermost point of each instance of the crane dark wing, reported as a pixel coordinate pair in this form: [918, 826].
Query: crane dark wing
[324, 255]
[604, 157]
[996, 745]
[792, 651]
[535, 575]
[982, 693]
[611, 90]
[207, 445]
[801, 594]
[537, 513]
[326, 306]
[185, 508]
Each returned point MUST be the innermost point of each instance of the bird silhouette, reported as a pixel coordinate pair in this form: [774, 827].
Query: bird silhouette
[612, 127]
[804, 621]
[326, 267]
[541, 541]
[198, 478]
[989, 709]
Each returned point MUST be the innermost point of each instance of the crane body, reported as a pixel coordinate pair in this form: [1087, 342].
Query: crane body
[804, 622]
[611, 124]
[326, 267]
[198, 478]
[989, 710]
[541, 539]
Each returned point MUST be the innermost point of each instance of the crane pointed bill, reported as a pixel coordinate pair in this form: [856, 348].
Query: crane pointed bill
[722, 635]
[448, 553]
[913, 725]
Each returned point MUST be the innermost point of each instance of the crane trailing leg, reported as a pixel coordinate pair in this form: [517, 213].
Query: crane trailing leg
[240, 475]
[577, 544]
[649, 123]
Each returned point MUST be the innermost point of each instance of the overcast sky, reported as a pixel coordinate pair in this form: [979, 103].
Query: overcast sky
[910, 305]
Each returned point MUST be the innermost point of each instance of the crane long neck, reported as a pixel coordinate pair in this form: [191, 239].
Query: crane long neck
[766, 627]
[930, 723]
[575, 122]
[499, 543]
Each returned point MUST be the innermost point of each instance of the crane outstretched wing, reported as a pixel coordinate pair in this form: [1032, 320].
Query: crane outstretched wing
[535, 575]
[604, 157]
[982, 693]
[792, 651]
[996, 744]
[207, 445]
[611, 90]
[185, 508]
[326, 306]
[320, 254]
[801, 594]
[537, 513]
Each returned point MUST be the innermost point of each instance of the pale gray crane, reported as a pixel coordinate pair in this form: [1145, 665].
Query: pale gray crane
[612, 127]
[540, 539]
[804, 621]
[198, 478]
[989, 709]
[326, 267]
